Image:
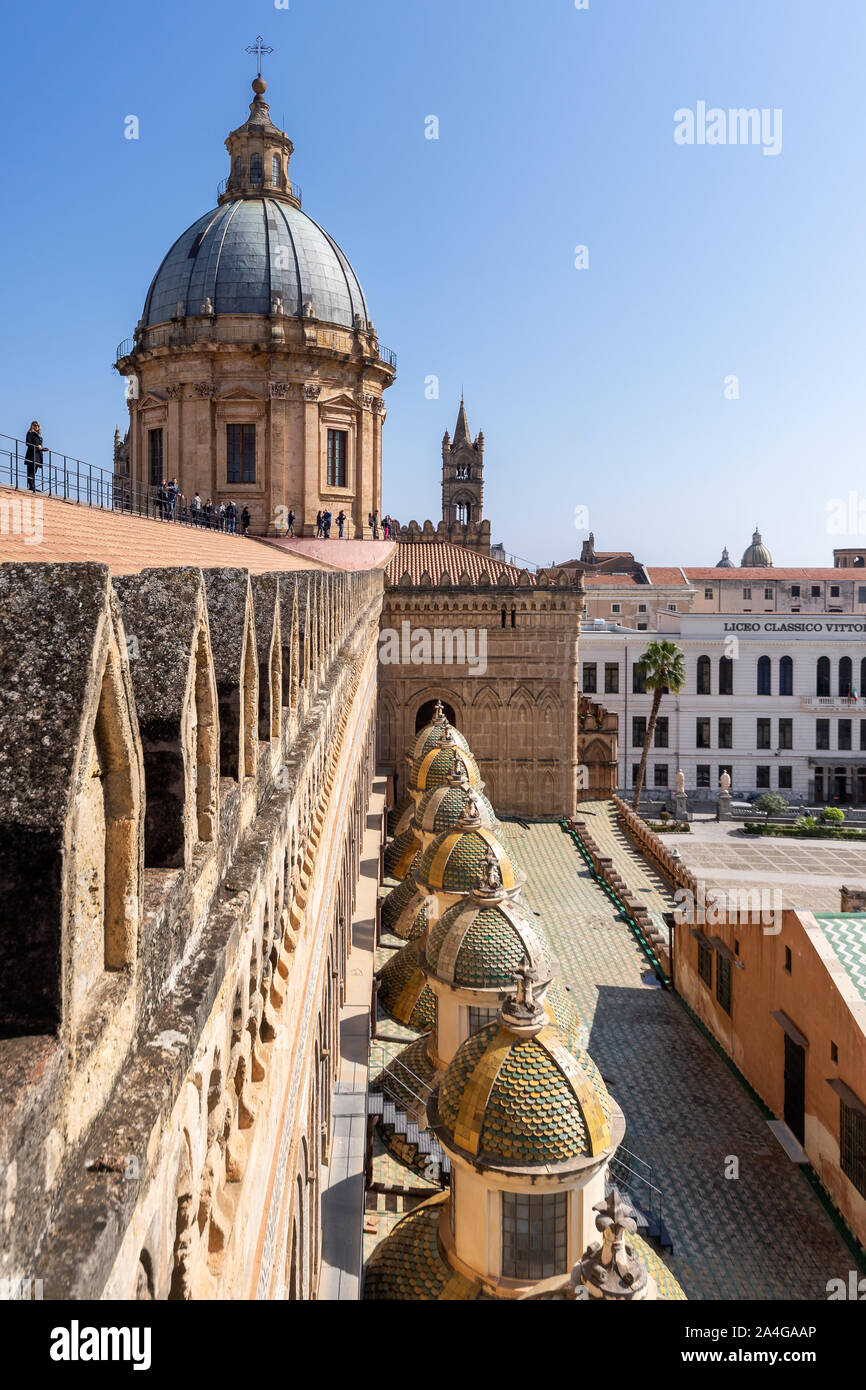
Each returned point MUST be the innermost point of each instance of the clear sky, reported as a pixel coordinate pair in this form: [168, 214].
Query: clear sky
[602, 388]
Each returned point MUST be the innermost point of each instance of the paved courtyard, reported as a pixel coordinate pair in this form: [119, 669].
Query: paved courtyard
[762, 1235]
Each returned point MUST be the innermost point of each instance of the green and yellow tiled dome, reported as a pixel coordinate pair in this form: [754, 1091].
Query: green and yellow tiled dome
[438, 810]
[400, 852]
[436, 768]
[404, 992]
[561, 1008]
[519, 1102]
[431, 736]
[400, 897]
[475, 945]
[456, 860]
[409, 1265]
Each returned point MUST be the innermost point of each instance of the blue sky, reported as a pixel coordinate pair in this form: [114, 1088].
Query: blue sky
[601, 388]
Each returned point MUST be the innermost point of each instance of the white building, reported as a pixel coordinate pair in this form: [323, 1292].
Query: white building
[774, 700]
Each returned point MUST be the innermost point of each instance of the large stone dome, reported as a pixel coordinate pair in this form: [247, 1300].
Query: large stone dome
[249, 251]
[757, 556]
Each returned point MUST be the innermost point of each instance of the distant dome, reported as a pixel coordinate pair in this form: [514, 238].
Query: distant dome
[725, 562]
[404, 992]
[757, 556]
[244, 254]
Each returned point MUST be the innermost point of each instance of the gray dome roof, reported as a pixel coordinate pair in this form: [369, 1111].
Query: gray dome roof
[232, 257]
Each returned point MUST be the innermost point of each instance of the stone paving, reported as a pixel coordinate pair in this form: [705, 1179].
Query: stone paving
[763, 1235]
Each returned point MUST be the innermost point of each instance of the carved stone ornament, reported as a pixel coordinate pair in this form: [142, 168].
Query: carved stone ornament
[367, 400]
[610, 1269]
[205, 389]
[174, 393]
[311, 391]
[280, 390]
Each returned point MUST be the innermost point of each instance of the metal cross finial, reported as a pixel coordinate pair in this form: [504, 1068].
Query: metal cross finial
[259, 48]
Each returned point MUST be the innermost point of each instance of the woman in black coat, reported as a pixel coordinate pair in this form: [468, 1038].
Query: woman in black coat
[33, 457]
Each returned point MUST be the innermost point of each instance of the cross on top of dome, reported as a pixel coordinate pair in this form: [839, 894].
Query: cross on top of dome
[259, 48]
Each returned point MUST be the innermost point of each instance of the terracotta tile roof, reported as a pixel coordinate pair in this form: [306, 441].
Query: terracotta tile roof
[336, 554]
[435, 557]
[613, 581]
[666, 574]
[128, 544]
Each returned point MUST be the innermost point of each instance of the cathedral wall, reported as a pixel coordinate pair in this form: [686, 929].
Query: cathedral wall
[224, 1045]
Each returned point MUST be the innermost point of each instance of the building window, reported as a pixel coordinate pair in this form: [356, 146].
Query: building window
[660, 739]
[635, 769]
[762, 777]
[816, 590]
[154, 453]
[861, 594]
[834, 1053]
[614, 608]
[534, 1234]
[862, 687]
[747, 592]
[708, 593]
[642, 627]
[822, 676]
[726, 676]
[703, 774]
[822, 733]
[704, 686]
[705, 964]
[672, 608]
[337, 449]
[786, 733]
[726, 733]
[768, 595]
[788, 961]
[641, 608]
[786, 676]
[637, 679]
[764, 730]
[785, 779]
[834, 590]
[863, 733]
[723, 982]
[240, 453]
[765, 685]
[611, 678]
[844, 736]
[255, 168]
[702, 733]
[275, 170]
[638, 731]
[795, 591]
[479, 1018]
[590, 678]
[845, 676]
[660, 775]
[852, 1145]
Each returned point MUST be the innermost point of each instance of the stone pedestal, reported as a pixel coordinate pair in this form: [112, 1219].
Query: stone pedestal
[724, 811]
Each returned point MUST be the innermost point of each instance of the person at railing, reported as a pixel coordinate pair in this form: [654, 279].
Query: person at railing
[320, 524]
[232, 519]
[341, 521]
[373, 523]
[195, 510]
[33, 457]
[171, 492]
[161, 501]
[208, 513]
[245, 520]
[386, 528]
[291, 523]
[221, 516]
[326, 524]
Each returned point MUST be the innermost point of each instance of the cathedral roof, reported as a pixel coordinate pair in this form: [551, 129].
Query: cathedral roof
[404, 992]
[456, 859]
[431, 736]
[435, 768]
[441, 807]
[434, 559]
[475, 945]
[245, 253]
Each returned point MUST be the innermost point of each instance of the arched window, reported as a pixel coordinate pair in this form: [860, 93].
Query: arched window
[764, 676]
[704, 677]
[427, 711]
[255, 168]
[726, 675]
[862, 687]
[462, 513]
[275, 170]
[822, 676]
[786, 676]
[845, 676]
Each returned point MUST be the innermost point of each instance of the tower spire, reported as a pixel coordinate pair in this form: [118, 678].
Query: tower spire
[461, 433]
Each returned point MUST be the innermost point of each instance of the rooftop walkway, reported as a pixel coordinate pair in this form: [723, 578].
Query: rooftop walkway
[42, 529]
[642, 879]
[764, 1234]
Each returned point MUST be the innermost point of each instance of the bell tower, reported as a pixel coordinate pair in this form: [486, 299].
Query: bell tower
[462, 476]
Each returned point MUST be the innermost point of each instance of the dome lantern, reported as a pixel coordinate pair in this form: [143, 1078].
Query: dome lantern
[259, 155]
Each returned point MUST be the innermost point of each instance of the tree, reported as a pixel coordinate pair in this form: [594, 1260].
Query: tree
[771, 804]
[663, 668]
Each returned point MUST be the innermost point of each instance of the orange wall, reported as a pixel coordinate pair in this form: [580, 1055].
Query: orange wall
[755, 1041]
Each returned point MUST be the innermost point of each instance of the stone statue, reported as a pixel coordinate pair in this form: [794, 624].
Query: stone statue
[610, 1268]
[725, 782]
[680, 784]
[489, 878]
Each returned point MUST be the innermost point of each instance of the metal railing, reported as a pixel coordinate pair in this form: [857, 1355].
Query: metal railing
[634, 1175]
[63, 476]
[260, 185]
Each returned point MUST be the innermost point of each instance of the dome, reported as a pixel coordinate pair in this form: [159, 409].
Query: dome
[430, 736]
[725, 562]
[441, 807]
[458, 859]
[248, 251]
[518, 1101]
[404, 992]
[757, 556]
[475, 946]
[440, 764]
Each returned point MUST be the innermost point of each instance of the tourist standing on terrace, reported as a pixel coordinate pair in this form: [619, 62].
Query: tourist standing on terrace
[33, 457]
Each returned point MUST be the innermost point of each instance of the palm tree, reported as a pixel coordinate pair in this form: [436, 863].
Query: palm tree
[663, 667]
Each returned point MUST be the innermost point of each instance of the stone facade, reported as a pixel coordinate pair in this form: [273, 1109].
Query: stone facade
[540, 748]
[186, 762]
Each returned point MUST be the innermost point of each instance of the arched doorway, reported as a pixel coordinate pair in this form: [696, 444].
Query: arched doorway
[427, 711]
